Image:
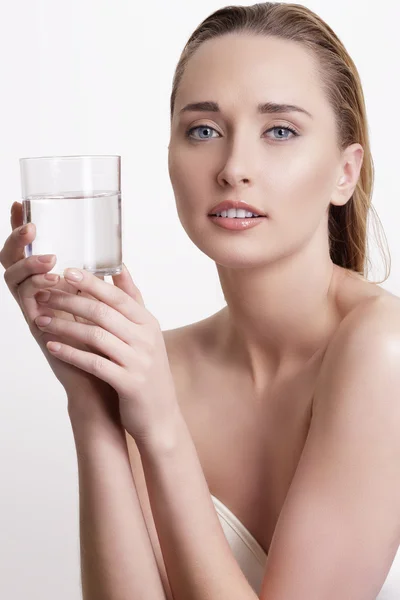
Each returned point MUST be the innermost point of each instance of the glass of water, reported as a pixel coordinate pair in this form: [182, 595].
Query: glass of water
[75, 204]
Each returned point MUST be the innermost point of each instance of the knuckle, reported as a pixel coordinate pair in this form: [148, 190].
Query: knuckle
[98, 364]
[119, 301]
[139, 381]
[100, 311]
[96, 334]
[146, 346]
[31, 263]
[38, 281]
[146, 362]
[151, 338]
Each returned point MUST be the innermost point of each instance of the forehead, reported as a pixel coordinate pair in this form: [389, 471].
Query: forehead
[243, 68]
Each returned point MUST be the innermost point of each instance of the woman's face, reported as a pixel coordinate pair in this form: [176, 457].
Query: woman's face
[236, 154]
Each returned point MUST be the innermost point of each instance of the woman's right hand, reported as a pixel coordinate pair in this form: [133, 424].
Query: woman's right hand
[88, 396]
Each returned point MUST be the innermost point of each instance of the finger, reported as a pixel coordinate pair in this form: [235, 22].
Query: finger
[20, 271]
[86, 294]
[13, 249]
[92, 335]
[37, 282]
[97, 312]
[24, 282]
[125, 282]
[91, 363]
[16, 217]
[27, 290]
[110, 295]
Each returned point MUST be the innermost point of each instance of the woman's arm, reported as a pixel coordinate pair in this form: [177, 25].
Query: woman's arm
[117, 559]
[198, 558]
[141, 489]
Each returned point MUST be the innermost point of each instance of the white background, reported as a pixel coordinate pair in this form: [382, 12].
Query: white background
[94, 77]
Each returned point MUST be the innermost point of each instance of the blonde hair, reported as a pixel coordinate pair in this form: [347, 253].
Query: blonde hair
[347, 224]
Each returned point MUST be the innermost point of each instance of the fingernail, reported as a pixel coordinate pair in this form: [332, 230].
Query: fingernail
[46, 258]
[52, 277]
[23, 230]
[73, 274]
[42, 296]
[42, 321]
[53, 346]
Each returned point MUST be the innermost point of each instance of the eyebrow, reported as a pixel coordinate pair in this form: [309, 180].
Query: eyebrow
[262, 109]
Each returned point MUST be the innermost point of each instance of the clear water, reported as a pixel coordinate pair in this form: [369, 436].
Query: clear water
[83, 231]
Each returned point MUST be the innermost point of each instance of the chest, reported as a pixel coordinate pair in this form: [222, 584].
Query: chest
[249, 447]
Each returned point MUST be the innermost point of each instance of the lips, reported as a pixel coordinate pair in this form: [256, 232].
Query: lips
[238, 204]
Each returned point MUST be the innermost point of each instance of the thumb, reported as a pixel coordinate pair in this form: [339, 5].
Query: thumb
[124, 282]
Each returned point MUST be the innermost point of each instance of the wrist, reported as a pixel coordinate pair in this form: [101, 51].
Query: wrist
[93, 411]
[95, 433]
[164, 439]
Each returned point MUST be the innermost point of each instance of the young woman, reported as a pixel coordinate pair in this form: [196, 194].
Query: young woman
[264, 440]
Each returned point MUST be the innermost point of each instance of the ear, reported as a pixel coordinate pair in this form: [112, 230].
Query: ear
[349, 174]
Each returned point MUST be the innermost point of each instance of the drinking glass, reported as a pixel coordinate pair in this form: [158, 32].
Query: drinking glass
[75, 204]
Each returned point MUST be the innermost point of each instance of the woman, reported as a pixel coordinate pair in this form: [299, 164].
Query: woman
[269, 429]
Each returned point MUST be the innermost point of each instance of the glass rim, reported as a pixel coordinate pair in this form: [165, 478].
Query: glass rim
[72, 156]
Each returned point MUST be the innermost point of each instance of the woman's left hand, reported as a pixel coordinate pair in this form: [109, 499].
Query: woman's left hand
[133, 357]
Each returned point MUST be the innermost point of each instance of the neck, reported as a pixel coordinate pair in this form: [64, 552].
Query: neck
[279, 315]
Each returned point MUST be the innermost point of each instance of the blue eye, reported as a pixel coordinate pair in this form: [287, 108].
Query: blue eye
[283, 128]
[276, 127]
[203, 127]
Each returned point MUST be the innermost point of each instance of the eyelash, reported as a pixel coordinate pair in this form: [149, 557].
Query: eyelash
[266, 131]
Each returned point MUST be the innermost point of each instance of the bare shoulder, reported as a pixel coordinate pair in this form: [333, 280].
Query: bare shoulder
[186, 348]
[368, 312]
[373, 320]
[180, 343]
[191, 339]
[366, 342]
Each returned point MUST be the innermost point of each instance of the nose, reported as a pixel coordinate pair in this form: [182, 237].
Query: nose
[234, 173]
[232, 178]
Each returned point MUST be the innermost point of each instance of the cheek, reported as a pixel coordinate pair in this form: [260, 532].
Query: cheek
[303, 183]
[188, 182]
[301, 194]
[180, 169]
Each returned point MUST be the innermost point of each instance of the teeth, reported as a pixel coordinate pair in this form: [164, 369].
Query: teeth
[233, 213]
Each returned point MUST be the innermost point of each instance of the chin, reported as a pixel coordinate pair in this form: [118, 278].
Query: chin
[236, 260]
[231, 249]
[232, 254]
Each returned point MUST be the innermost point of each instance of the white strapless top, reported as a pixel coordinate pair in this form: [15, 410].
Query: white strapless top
[252, 558]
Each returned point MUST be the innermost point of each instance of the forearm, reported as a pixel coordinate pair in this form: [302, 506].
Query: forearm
[117, 559]
[198, 558]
